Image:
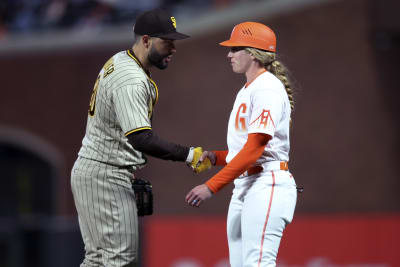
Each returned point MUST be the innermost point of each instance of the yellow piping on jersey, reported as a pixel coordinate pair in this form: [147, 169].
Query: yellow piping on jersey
[130, 53]
[138, 129]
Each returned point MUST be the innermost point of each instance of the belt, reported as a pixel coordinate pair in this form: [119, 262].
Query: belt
[266, 166]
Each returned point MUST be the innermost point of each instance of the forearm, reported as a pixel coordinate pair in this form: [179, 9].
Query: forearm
[150, 144]
[220, 157]
[249, 154]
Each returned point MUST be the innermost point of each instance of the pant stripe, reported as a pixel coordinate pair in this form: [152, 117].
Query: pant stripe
[266, 220]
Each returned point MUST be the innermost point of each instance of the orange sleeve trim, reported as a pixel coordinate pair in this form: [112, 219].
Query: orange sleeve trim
[249, 154]
[220, 157]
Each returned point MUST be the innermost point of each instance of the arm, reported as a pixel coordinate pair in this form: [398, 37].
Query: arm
[147, 142]
[220, 157]
[249, 154]
[208, 158]
[215, 157]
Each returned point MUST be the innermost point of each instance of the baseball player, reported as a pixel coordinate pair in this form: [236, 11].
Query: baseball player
[264, 197]
[118, 134]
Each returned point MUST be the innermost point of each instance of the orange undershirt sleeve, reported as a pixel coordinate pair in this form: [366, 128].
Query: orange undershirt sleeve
[220, 157]
[249, 154]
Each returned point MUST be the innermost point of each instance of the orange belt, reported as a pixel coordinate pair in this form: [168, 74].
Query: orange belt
[267, 166]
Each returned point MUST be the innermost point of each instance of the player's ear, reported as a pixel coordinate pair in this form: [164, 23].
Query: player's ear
[146, 40]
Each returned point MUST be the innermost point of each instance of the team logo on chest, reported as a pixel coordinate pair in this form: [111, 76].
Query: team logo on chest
[240, 120]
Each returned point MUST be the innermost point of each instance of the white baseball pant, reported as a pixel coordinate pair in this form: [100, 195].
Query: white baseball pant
[261, 207]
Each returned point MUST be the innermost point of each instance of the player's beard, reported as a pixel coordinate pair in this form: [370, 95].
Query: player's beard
[158, 60]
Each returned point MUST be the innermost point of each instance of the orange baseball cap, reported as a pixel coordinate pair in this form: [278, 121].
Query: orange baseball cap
[252, 34]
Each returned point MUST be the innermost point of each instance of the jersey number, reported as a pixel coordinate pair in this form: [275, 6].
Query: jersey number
[108, 69]
[92, 105]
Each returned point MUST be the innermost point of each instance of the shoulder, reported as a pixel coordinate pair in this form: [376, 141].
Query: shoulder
[125, 71]
[124, 62]
[267, 83]
[270, 81]
[267, 89]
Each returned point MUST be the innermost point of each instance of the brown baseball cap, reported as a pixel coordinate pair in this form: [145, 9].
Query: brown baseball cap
[158, 23]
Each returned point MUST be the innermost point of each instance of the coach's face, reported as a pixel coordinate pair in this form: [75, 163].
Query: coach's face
[240, 59]
[161, 51]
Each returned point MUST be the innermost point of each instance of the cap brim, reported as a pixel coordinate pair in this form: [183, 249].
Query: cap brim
[174, 36]
[229, 43]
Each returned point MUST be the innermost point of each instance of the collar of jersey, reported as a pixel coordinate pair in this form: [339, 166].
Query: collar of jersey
[247, 84]
[133, 56]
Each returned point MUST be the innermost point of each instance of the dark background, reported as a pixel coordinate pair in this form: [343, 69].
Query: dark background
[343, 56]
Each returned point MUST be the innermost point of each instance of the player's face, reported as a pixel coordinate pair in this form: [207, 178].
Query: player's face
[161, 52]
[240, 59]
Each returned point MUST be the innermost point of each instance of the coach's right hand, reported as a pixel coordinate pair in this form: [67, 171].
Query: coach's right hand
[198, 160]
[207, 159]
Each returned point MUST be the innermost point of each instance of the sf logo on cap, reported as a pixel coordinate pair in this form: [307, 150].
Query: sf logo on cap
[173, 22]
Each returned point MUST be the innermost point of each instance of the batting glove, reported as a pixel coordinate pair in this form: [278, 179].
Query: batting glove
[193, 160]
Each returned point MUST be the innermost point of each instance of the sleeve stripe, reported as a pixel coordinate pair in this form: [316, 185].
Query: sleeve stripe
[138, 129]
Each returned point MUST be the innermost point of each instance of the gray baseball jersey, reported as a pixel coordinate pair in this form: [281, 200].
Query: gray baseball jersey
[122, 102]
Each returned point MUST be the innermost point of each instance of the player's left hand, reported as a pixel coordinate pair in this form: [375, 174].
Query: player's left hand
[198, 195]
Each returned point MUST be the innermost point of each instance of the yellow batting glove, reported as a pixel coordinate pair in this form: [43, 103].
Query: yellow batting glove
[193, 160]
[202, 166]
